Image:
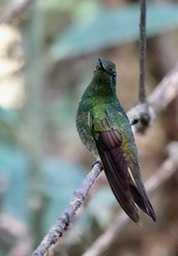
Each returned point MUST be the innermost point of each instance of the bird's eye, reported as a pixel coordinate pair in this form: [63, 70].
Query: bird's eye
[114, 74]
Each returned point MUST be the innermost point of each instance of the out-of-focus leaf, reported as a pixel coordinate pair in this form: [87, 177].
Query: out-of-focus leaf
[113, 27]
[13, 180]
[61, 179]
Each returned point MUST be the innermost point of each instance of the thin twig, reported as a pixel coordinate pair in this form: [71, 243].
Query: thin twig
[165, 171]
[15, 10]
[144, 119]
[142, 67]
[167, 90]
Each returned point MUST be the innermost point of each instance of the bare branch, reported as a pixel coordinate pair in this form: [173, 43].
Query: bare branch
[14, 11]
[167, 90]
[165, 171]
[144, 118]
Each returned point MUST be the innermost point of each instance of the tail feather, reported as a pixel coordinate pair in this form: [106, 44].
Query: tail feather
[142, 192]
[138, 198]
[115, 168]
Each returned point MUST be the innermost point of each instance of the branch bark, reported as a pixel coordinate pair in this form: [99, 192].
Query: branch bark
[164, 93]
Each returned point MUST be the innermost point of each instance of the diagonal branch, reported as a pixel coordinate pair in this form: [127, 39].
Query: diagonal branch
[167, 90]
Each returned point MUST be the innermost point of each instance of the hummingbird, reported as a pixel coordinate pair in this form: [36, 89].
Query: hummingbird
[104, 129]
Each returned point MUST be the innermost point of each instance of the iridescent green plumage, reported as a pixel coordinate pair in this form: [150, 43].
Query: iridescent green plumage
[104, 128]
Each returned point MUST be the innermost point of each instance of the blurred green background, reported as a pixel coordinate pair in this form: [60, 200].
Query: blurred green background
[47, 56]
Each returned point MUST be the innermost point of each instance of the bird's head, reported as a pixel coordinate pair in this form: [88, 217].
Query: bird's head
[106, 67]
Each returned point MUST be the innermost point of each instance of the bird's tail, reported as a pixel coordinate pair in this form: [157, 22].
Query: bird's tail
[127, 186]
[115, 168]
[141, 198]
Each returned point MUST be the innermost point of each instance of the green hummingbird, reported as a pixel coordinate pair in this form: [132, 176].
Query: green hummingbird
[104, 129]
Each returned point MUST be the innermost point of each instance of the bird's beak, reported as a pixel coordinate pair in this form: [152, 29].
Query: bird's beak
[101, 64]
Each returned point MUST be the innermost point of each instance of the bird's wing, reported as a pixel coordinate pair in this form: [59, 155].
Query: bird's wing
[108, 140]
[83, 123]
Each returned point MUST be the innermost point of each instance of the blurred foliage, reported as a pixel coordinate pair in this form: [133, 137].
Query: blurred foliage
[42, 160]
[113, 27]
[83, 10]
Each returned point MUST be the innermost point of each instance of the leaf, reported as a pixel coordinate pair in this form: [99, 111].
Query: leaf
[113, 27]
